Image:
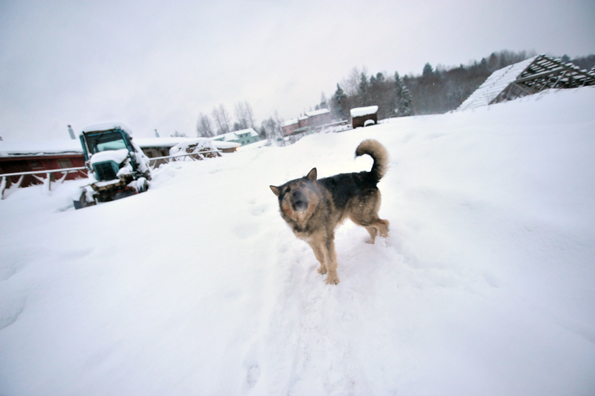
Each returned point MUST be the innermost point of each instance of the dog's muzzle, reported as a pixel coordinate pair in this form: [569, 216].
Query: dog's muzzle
[299, 201]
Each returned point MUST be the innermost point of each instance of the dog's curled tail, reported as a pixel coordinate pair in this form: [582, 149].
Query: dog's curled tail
[377, 151]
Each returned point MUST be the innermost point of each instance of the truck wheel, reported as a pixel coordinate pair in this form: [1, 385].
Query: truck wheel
[83, 202]
[144, 186]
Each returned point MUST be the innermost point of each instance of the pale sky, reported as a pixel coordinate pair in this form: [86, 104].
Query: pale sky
[157, 64]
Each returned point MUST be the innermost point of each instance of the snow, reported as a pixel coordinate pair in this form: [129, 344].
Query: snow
[172, 141]
[160, 141]
[230, 136]
[58, 146]
[317, 112]
[363, 111]
[110, 155]
[289, 122]
[108, 125]
[201, 143]
[485, 286]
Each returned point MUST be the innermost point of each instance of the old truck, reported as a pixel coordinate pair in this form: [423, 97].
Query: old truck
[117, 166]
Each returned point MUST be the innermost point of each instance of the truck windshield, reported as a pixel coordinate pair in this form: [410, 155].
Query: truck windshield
[106, 141]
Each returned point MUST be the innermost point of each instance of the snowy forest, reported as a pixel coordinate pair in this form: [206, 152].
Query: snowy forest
[436, 90]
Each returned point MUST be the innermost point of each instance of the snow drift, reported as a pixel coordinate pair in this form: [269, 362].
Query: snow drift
[485, 285]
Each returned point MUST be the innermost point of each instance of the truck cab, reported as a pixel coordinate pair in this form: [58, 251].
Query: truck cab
[117, 166]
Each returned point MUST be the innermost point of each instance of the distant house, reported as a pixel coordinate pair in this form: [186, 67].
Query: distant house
[245, 136]
[310, 121]
[288, 127]
[363, 116]
[528, 77]
[318, 117]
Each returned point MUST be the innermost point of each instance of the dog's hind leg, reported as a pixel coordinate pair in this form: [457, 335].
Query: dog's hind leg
[373, 232]
[382, 227]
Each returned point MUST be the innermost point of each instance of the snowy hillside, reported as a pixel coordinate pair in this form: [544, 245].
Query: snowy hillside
[485, 286]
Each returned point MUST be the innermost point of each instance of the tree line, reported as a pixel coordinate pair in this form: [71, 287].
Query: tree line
[436, 90]
[221, 122]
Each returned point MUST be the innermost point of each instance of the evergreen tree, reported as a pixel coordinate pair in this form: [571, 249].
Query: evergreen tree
[428, 71]
[364, 90]
[405, 105]
[339, 108]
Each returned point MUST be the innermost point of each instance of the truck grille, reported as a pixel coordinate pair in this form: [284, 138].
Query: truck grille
[105, 170]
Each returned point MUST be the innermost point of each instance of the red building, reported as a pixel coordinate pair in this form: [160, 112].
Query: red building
[312, 120]
[18, 157]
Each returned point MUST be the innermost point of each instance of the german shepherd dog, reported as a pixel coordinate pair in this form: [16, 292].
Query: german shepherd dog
[314, 208]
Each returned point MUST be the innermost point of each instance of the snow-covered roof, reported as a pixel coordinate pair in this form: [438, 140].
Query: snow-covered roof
[317, 112]
[160, 141]
[496, 83]
[289, 122]
[227, 137]
[363, 111]
[173, 141]
[63, 146]
[40, 147]
[107, 125]
[251, 131]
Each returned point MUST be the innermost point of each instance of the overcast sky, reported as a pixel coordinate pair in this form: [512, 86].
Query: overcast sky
[158, 64]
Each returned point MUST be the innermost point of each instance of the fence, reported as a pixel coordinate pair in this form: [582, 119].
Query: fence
[47, 181]
[5, 182]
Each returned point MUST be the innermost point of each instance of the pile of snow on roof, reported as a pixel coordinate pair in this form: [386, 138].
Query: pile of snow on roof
[363, 111]
[40, 147]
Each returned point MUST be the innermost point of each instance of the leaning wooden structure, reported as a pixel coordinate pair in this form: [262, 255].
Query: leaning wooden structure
[528, 77]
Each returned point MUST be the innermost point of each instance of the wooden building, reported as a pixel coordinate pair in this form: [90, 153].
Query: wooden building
[528, 77]
[363, 116]
[311, 121]
[40, 156]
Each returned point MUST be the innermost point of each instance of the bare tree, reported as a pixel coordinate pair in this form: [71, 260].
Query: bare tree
[351, 83]
[272, 128]
[250, 115]
[204, 127]
[245, 115]
[241, 115]
[222, 119]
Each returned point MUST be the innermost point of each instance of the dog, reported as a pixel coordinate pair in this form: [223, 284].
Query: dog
[313, 207]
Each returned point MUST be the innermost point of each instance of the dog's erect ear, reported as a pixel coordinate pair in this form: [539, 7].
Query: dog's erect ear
[312, 175]
[276, 190]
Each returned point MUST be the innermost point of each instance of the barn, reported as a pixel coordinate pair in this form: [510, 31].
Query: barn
[40, 156]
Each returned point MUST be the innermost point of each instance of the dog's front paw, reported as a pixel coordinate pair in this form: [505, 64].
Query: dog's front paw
[332, 279]
[322, 270]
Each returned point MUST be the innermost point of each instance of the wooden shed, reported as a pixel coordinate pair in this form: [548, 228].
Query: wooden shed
[360, 115]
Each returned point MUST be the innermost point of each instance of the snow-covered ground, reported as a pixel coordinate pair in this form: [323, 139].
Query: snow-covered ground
[485, 286]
